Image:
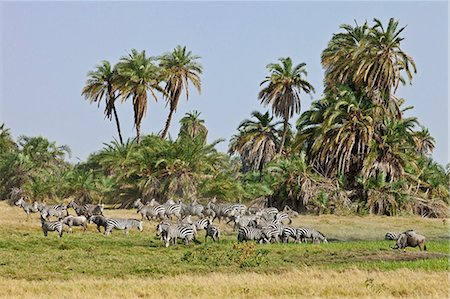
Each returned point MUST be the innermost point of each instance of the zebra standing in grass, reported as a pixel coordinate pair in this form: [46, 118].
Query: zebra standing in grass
[59, 211]
[290, 232]
[213, 232]
[309, 233]
[51, 226]
[173, 209]
[202, 223]
[122, 224]
[251, 234]
[391, 236]
[27, 208]
[169, 233]
[282, 217]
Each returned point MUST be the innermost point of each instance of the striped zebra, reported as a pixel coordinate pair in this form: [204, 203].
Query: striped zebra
[282, 217]
[213, 232]
[51, 226]
[290, 232]
[27, 208]
[173, 210]
[122, 224]
[391, 236]
[202, 223]
[273, 234]
[251, 234]
[170, 233]
[309, 233]
[59, 211]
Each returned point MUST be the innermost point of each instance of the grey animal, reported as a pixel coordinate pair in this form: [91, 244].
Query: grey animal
[99, 220]
[75, 221]
[86, 210]
[51, 226]
[410, 239]
[27, 208]
[309, 233]
[122, 224]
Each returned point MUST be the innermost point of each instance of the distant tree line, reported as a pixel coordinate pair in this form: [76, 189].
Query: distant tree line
[352, 151]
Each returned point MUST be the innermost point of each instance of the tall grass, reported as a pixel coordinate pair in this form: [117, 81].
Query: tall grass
[356, 263]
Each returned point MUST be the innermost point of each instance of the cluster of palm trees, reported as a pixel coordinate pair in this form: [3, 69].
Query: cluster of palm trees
[352, 151]
[136, 76]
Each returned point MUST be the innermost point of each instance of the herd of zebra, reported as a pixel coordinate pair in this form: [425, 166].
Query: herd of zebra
[174, 222]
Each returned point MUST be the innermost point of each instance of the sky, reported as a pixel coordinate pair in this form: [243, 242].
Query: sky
[46, 49]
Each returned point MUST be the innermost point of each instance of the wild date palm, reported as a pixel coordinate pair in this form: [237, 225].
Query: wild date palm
[179, 68]
[425, 143]
[257, 141]
[370, 58]
[137, 75]
[102, 84]
[192, 126]
[282, 93]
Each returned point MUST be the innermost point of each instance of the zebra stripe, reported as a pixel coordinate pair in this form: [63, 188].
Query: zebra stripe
[202, 223]
[213, 232]
[290, 232]
[52, 226]
[122, 224]
[251, 234]
[390, 236]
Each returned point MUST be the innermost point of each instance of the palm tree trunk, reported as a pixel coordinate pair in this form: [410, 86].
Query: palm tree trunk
[117, 124]
[138, 133]
[169, 119]
[283, 139]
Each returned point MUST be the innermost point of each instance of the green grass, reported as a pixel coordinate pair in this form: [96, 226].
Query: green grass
[32, 256]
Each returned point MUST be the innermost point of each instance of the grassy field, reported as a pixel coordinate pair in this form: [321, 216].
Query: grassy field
[356, 263]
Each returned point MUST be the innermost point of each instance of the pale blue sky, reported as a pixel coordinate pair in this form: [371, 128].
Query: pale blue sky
[47, 49]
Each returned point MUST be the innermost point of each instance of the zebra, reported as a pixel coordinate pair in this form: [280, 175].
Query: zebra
[51, 226]
[240, 221]
[59, 211]
[272, 233]
[123, 224]
[173, 209]
[290, 232]
[169, 233]
[282, 216]
[75, 221]
[202, 223]
[391, 236]
[251, 234]
[314, 235]
[213, 232]
[268, 213]
[195, 209]
[86, 210]
[99, 220]
[27, 208]
[149, 210]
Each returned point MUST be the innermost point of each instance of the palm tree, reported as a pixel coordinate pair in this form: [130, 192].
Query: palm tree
[101, 84]
[425, 143]
[137, 76]
[6, 141]
[179, 67]
[369, 58]
[283, 90]
[192, 126]
[256, 142]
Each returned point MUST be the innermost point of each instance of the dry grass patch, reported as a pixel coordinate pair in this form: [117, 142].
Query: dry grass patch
[293, 284]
